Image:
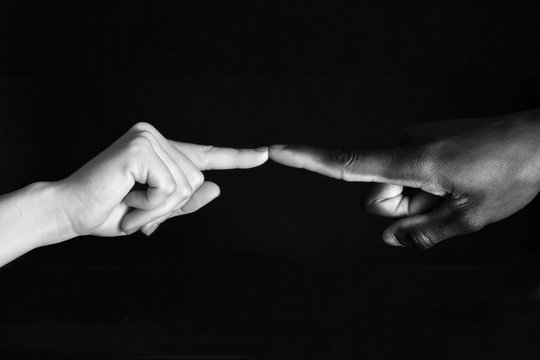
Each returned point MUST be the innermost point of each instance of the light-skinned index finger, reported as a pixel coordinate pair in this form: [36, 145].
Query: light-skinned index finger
[207, 157]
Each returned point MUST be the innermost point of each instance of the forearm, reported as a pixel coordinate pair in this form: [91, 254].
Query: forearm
[31, 217]
[532, 130]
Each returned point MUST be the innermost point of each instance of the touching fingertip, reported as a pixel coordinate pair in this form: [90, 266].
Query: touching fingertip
[262, 149]
[276, 152]
[263, 158]
[277, 147]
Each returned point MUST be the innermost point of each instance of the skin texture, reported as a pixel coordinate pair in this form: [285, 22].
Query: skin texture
[464, 174]
[99, 199]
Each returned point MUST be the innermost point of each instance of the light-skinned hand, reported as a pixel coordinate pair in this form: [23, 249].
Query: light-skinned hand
[99, 199]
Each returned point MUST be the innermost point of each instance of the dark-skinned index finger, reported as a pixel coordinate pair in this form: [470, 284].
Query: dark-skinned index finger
[393, 166]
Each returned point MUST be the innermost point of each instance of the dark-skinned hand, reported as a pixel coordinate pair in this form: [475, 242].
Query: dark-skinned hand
[465, 174]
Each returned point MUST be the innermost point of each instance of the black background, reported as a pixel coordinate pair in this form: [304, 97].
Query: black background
[285, 263]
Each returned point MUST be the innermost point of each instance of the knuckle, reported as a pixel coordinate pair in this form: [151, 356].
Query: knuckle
[142, 126]
[346, 158]
[198, 179]
[169, 187]
[423, 239]
[208, 148]
[138, 145]
[142, 138]
[184, 192]
[438, 154]
[205, 153]
[145, 134]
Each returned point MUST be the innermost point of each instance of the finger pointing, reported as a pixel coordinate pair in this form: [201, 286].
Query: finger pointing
[402, 166]
[207, 157]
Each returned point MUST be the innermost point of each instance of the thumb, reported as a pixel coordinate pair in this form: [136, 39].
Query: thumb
[426, 230]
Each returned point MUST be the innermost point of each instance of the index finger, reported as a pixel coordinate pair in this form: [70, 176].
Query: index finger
[400, 166]
[207, 157]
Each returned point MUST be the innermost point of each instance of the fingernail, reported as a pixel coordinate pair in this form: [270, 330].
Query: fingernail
[151, 229]
[277, 147]
[391, 240]
[262, 149]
